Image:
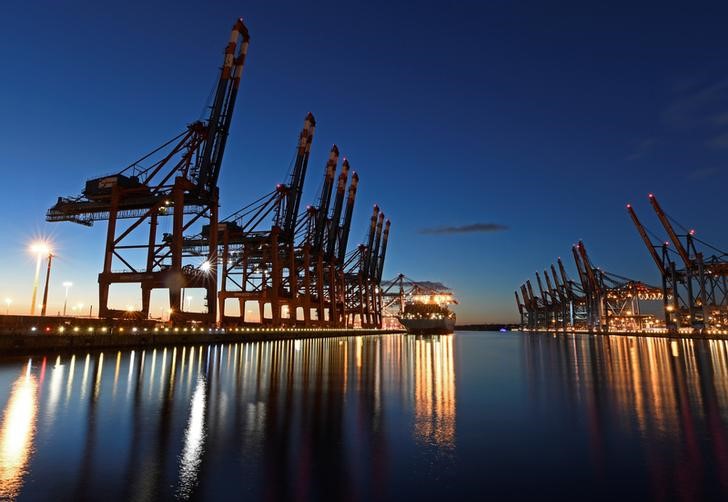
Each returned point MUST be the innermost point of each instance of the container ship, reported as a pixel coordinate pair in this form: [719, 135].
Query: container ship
[426, 310]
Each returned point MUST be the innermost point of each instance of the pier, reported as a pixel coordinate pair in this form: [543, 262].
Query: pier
[27, 334]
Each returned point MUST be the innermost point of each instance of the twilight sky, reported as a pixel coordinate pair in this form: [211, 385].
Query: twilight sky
[493, 134]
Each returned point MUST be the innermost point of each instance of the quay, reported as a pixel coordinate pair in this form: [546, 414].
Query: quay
[658, 333]
[27, 334]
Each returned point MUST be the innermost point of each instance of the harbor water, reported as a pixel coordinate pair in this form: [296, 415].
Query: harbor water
[387, 417]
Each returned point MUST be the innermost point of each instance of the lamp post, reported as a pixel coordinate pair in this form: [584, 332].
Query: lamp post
[45, 290]
[40, 249]
[66, 285]
[8, 301]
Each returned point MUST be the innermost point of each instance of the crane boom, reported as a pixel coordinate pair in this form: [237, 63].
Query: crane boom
[374, 257]
[348, 213]
[526, 299]
[670, 231]
[561, 290]
[383, 253]
[334, 222]
[298, 175]
[549, 286]
[322, 211]
[540, 288]
[218, 123]
[534, 302]
[370, 240]
[518, 304]
[565, 278]
[582, 275]
[646, 239]
[589, 268]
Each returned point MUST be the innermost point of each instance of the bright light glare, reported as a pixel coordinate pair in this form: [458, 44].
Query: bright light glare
[194, 441]
[40, 248]
[205, 267]
[67, 284]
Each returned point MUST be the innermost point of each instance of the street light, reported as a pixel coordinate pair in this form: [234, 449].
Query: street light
[40, 249]
[8, 301]
[66, 285]
[47, 281]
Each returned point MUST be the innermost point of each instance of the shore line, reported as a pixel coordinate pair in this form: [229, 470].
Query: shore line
[673, 336]
[28, 343]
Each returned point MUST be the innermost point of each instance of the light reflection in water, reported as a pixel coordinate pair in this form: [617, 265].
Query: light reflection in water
[319, 406]
[56, 381]
[193, 442]
[435, 391]
[667, 391]
[17, 433]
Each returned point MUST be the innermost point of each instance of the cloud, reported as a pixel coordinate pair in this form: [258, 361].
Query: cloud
[464, 229]
[705, 106]
[720, 119]
[643, 148]
[719, 142]
[704, 173]
[702, 109]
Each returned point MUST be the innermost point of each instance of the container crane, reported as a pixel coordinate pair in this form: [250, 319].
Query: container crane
[178, 179]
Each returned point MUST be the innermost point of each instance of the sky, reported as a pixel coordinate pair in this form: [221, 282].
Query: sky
[493, 134]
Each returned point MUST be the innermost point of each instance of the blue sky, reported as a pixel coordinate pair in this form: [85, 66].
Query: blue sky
[539, 117]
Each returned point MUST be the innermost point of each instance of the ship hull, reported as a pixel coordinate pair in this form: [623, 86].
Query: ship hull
[428, 326]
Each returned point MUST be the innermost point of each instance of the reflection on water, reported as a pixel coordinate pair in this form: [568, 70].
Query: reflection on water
[670, 397]
[384, 417]
[435, 392]
[194, 438]
[17, 433]
[292, 417]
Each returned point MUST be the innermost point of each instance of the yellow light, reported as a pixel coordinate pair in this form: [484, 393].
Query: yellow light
[17, 434]
[40, 248]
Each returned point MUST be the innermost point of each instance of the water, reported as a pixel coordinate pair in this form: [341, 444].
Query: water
[486, 415]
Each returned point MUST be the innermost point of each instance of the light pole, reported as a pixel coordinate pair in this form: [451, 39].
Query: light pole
[45, 290]
[40, 249]
[8, 301]
[66, 285]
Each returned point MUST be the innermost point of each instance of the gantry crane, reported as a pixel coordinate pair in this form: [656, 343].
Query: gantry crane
[258, 261]
[178, 180]
[363, 275]
[695, 292]
[598, 301]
